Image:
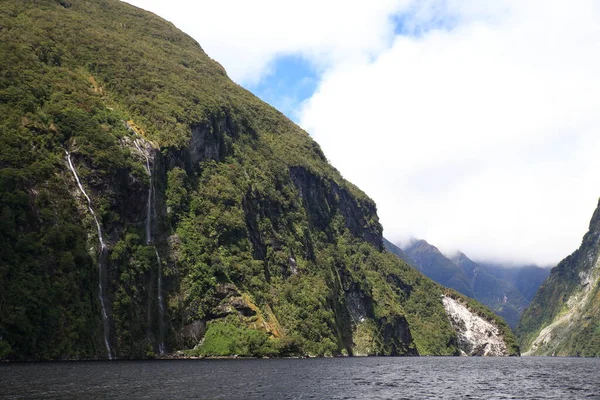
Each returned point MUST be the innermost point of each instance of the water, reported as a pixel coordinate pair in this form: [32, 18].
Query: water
[161, 308]
[101, 258]
[150, 187]
[89, 201]
[149, 208]
[339, 378]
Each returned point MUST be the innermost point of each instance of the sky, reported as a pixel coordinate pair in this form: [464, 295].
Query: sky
[472, 124]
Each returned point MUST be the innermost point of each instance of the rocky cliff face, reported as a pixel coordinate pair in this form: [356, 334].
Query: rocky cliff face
[476, 336]
[150, 206]
[563, 316]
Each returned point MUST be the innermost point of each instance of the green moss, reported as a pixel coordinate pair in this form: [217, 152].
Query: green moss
[230, 337]
[364, 338]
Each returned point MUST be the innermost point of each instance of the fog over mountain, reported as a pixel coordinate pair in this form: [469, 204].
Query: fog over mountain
[507, 290]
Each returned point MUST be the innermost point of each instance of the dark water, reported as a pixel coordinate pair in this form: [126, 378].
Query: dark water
[339, 378]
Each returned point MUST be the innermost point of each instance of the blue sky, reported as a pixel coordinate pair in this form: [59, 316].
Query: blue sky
[290, 81]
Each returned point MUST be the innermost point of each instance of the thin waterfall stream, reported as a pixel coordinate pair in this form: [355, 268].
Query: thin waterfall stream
[161, 307]
[149, 240]
[101, 258]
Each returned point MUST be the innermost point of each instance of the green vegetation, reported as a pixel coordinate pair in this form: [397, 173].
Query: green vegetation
[224, 338]
[572, 288]
[254, 234]
[435, 265]
[471, 279]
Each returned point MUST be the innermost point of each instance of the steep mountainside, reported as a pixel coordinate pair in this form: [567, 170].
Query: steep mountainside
[431, 262]
[564, 316]
[502, 297]
[149, 204]
[392, 248]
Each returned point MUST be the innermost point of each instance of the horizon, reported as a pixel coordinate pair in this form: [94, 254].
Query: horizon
[472, 126]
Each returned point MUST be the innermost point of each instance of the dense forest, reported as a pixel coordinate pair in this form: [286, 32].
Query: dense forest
[150, 205]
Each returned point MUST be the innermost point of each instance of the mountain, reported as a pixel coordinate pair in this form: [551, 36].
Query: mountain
[498, 294]
[563, 318]
[526, 279]
[476, 280]
[431, 262]
[151, 206]
[392, 248]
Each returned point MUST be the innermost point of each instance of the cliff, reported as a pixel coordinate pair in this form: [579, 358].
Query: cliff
[150, 205]
[563, 316]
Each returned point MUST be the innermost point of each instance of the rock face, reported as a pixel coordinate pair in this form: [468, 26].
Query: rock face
[563, 318]
[324, 199]
[476, 336]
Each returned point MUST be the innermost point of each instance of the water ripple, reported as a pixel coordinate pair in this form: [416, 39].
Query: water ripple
[340, 378]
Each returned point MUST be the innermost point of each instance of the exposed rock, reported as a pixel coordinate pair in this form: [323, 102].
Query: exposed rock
[563, 317]
[323, 197]
[355, 301]
[396, 331]
[225, 290]
[240, 305]
[560, 329]
[292, 266]
[476, 336]
[207, 142]
[193, 332]
[232, 302]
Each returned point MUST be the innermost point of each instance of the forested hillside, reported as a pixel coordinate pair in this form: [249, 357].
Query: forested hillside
[150, 205]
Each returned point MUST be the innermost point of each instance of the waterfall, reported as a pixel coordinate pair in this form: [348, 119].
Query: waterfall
[101, 259]
[150, 188]
[150, 206]
[161, 307]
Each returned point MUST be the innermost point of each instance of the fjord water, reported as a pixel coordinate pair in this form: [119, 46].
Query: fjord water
[339, 378]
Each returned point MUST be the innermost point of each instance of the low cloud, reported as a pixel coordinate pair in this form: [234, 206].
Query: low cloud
[479, 135]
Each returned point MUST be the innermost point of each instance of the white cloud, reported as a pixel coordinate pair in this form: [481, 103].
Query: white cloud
[483, 136]
[247, 36]
[477, 129]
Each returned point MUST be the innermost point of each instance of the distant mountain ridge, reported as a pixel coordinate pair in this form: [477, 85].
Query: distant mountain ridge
[507, 291]
[526, 279]
[435, 265]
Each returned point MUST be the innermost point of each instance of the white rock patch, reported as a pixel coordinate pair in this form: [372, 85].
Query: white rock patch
[476, 336]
